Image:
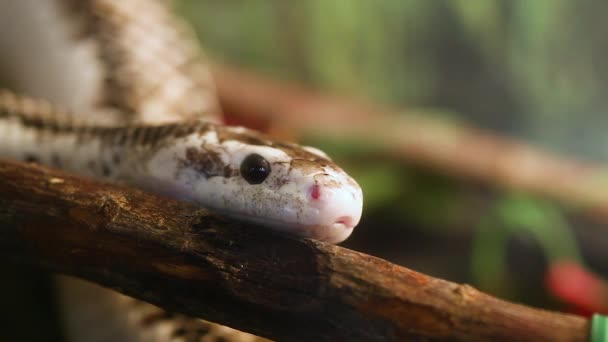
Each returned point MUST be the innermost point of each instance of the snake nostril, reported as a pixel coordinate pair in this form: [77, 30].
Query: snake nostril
[315, 192]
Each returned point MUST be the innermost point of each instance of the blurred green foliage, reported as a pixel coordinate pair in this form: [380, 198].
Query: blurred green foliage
[530, 68]
[519, 214]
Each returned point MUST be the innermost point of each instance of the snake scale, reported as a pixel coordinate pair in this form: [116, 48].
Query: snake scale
[152, 121]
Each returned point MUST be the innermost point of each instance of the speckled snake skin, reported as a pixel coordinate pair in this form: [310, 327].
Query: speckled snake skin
[146, 114]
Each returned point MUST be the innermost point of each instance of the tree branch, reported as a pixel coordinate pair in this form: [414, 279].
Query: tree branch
[188, 260]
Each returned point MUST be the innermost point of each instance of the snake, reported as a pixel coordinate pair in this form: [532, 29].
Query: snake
[122, 93]
[234, 171]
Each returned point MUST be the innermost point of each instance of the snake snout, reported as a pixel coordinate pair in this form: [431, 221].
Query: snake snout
[338, 210]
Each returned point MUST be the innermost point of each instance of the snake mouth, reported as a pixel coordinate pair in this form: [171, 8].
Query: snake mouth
[336, 232]
[344, 221]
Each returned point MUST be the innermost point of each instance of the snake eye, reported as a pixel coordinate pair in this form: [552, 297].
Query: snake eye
[255, 169]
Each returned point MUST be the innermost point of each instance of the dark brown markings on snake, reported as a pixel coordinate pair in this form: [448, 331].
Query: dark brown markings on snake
[308, 165]
[280, 181]
[154, 135]
[103, 22]
[186, 129]
[42, 123]
[24, 110]
[151, 135]
[117, 92]
[146, 136]
[37, 114]
[301, 158]
[298, 154]
[207, 162]
[328, 182]
[136, 134]
[117, 136]
[230, 172]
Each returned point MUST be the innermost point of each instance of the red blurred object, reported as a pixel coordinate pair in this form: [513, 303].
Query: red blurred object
[582, 289]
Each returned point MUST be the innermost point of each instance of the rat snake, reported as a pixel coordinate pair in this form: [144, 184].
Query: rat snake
[152, 122]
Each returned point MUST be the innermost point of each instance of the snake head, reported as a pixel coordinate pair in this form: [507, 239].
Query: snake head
[246, 175]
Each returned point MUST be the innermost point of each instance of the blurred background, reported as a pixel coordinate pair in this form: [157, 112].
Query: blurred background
[535, 70]
[477, 128]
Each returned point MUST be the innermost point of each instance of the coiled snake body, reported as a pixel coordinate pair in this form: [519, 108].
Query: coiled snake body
[146, 93]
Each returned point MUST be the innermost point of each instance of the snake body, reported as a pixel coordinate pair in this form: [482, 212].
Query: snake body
[147, 115]
[233, 170]
[111, 60]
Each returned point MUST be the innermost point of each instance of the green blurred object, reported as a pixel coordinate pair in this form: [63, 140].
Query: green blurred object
[599, 328]
[518, 214]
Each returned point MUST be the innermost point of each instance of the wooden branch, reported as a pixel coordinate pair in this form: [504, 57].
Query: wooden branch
[447, 147]
[191, 261]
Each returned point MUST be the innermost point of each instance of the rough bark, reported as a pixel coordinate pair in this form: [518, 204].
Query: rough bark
[443, 145]
[188, 260]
